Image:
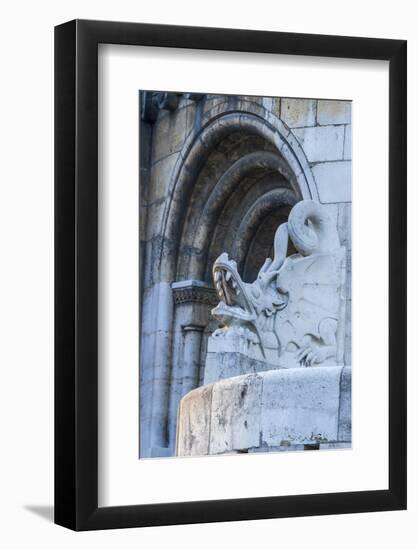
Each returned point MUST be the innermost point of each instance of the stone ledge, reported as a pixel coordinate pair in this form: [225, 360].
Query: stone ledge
[277, 408]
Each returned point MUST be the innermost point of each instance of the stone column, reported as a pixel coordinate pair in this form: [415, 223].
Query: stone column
[191, 357]
[193, 301]
[155, 370]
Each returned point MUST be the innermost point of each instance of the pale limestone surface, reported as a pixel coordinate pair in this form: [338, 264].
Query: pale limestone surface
[333, 112]
[347, 150]
[225, 364]
[275, 370]
[293, 314]
[172, 133]
[235, 414]
[297, 113]
[300, 405]
[322, 143]
[334, 181]
[220, 173]
[278, 410]
[193, 433]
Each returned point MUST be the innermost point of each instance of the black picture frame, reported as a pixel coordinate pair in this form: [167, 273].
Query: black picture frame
[76, 271]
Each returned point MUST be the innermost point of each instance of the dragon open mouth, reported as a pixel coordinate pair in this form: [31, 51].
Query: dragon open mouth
[231, 290]
[226, 286]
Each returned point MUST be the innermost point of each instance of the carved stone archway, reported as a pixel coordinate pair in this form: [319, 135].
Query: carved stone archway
[234, 181]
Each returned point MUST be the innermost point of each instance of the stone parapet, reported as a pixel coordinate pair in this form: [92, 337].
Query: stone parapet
[226, 364]
[272, 410]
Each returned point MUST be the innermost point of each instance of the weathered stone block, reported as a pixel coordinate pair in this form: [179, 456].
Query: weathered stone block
[297, 113]
[332, 210]
[160, 178]
[344, 224]
[169, 134]
[194, 418]
[276, 106]
[221, 365]
[191, 118]
[185, 100]
[333, 112]
[235, 416]
[334, 181]
[345, 406]
[212, 101]
[300, 405]
[349, 276]
[348, 335]
[321, 143]
[347, 151]
[273, 410]
[252, 98]
[267, 103]
[154, 215]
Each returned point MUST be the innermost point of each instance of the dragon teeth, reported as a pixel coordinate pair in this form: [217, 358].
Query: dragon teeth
[234, 284]
[216, 276]
[237, 292]
[228, 275]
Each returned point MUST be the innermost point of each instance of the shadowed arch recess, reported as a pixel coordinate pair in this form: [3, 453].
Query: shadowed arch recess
[231, 184]
[267, 150]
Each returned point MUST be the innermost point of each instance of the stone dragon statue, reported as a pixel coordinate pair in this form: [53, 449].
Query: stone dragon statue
[292, 315]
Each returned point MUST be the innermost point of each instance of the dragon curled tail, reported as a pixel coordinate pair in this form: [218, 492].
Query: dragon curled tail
[311, 231]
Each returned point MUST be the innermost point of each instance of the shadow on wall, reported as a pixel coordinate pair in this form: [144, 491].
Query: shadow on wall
[45, 512]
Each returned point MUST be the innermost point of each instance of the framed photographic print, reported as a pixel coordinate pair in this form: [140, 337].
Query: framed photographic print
[230, 275]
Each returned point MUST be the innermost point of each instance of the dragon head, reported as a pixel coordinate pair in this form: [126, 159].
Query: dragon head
[234, 295]
[245, 302]
[252, 312]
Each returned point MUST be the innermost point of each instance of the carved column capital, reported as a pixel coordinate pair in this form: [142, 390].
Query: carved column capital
[194, 291]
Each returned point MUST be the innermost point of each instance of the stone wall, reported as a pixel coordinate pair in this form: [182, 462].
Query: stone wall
[324, 130]
[219, 173]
